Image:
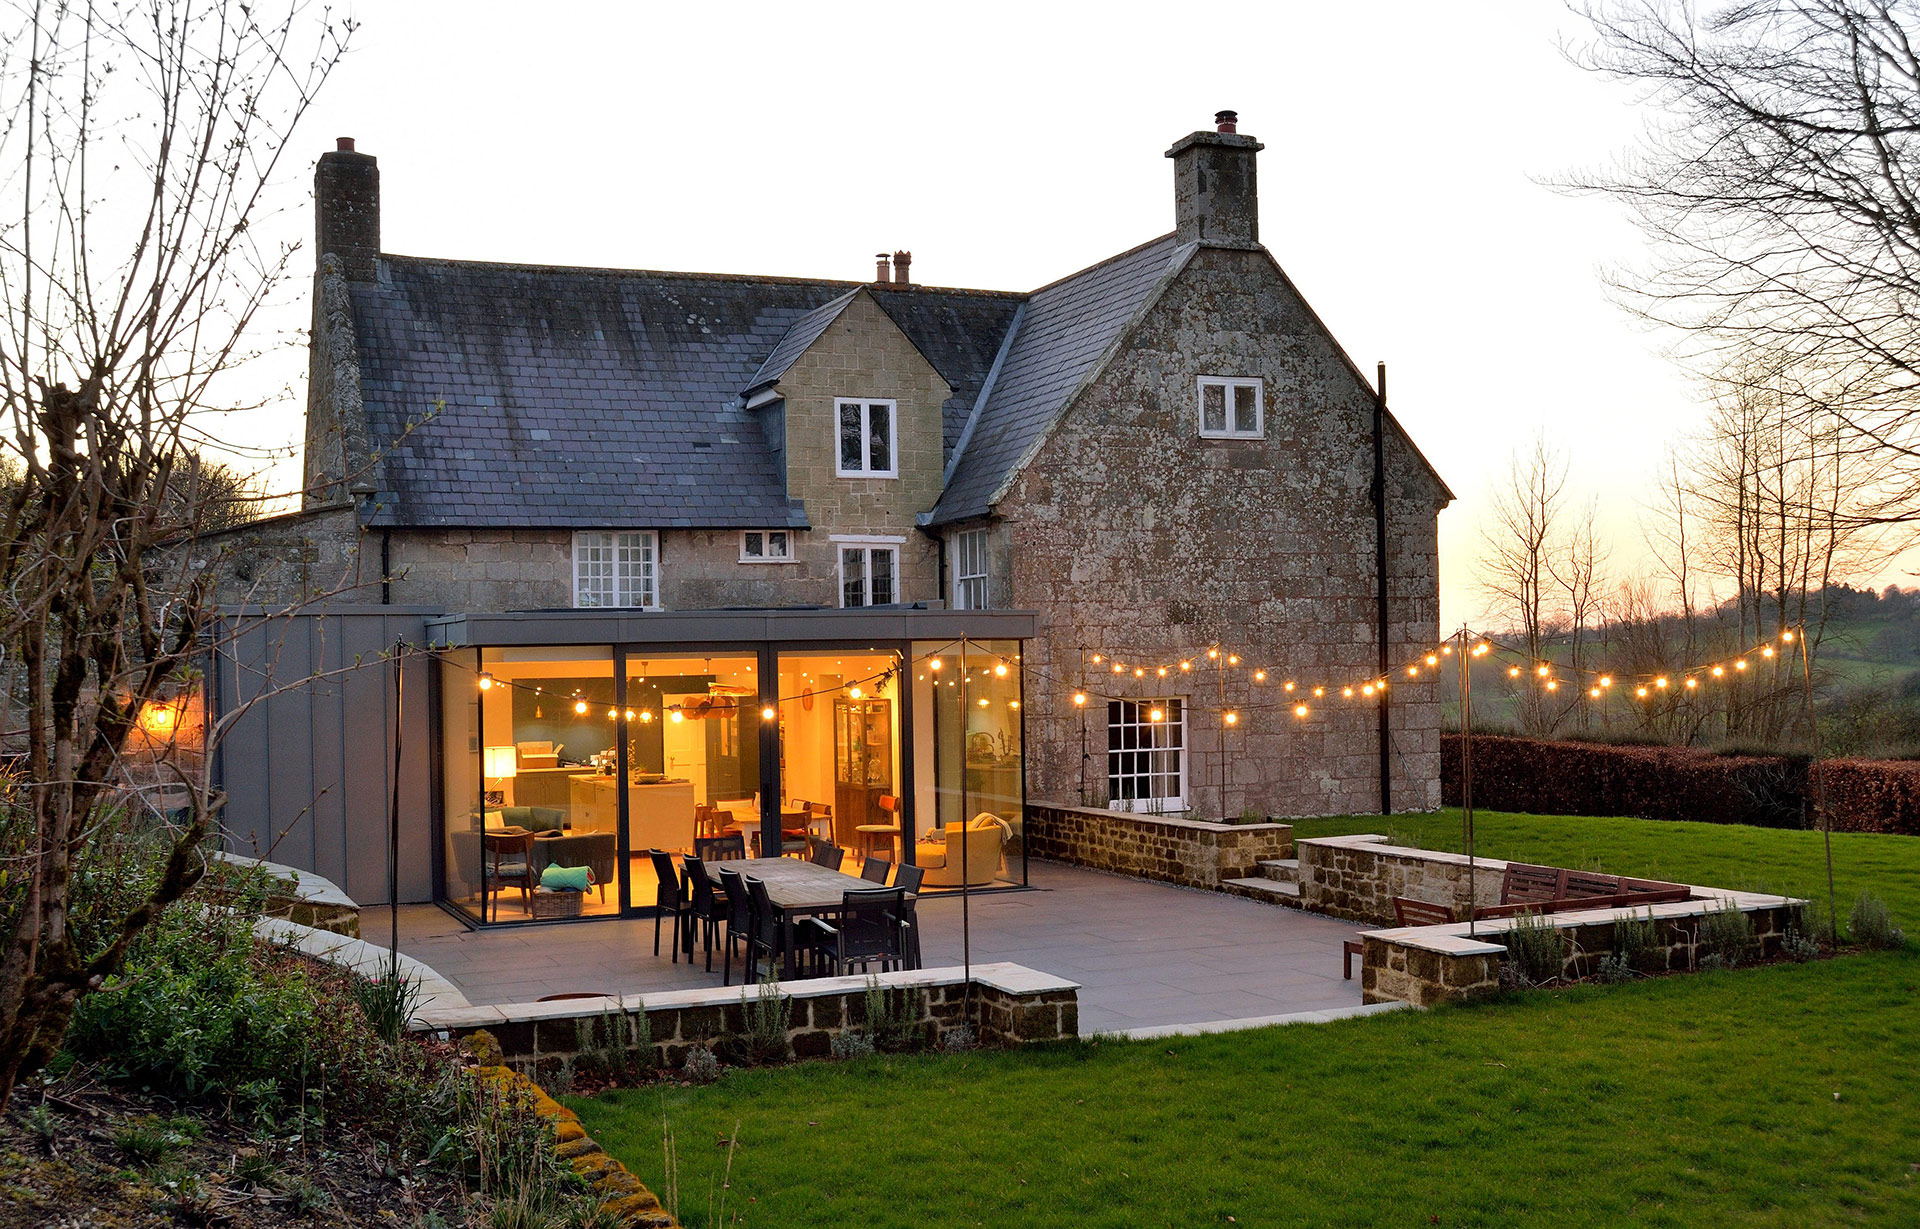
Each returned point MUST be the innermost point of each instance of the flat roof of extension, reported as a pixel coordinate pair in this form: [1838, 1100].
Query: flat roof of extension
[861, 625]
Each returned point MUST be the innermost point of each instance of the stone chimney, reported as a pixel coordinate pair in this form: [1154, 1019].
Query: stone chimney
[346, 209]
[1215, 198]
[901, 260]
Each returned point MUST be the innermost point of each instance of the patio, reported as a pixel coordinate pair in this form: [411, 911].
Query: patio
[1145, 954]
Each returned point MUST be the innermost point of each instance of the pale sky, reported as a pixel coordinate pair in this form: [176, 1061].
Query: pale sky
[1007, 145]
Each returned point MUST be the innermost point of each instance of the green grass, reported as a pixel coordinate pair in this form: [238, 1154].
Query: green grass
[1718, 855]
[1772, 1096]
[1707, 1100]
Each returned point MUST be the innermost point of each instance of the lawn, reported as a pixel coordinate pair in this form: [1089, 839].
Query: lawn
[1720, 855]
[1770, 1096]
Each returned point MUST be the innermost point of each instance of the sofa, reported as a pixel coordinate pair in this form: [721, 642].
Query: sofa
[590, 849]
[939, 852]
[533, 819]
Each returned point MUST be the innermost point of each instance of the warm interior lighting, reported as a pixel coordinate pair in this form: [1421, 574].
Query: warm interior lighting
[158, 718]
[500, 762]
[854, 691]
[486, 681]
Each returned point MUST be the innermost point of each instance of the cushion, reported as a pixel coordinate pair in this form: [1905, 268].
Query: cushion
[578, 878]
[545, 819]
[930, 853]
[496, 819]
[516, 816]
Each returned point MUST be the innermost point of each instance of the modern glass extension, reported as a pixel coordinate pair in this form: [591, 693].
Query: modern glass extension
[585, 740]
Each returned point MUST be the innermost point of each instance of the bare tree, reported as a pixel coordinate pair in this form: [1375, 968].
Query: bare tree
[140, 142]
[1779, 183]
[1516, 570]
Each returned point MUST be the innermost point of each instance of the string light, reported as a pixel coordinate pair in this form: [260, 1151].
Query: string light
[1289, 684]
[1661, 682]
[1432, 660]
[1213, 653]
[934, 665]
[1080, 698]
[1553, 684]
[1767, 652]
[1000, 669]
[1413, 671]
[486, 681]
[1232, 718]
[1319, 691]
[1513, 672]
[1787, 637]
[1232, 660]
[1096, 660]
[1259, 676]
[1163, 672]
[1741, 664]
[1139, 672]
[1156, 715]
[580, 707]
[1299, 710]
[1718, 671]
[769, 713]
[629, 714]
[1347, 692]
[1606, 680]
[1186, 665]
[1692, 682]
[1541, 670]
[678, 716]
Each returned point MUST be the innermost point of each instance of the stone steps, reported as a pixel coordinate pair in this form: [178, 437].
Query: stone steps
[1282, 870]
[1271, 891]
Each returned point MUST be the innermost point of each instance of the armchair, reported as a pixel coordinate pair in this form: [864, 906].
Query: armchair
[939, 852]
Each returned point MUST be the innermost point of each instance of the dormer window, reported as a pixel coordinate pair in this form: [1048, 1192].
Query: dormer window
[1232, 409]
[867, 435]
[766, 546]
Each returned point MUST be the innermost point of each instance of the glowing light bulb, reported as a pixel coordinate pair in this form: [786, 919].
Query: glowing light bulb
[1348, 693]
[1080, 697]
[1155, 715]
[1553, 684]
[646, 716]
[1366, 689]
[678, 716]
[1541, 671]
[1661, 681]
[1594, 692]
[1513, 672]
[1482, 649]
[486, 681]
[1319, 691]
[854, 691]
[1299, 710]
[1741, 664]
[768, 713]
[934, 665]
[983, 701]
[1233, 718]
[580, 706]
[1413, 671]
[1013, 704]
[1767, 652]
[1606, 680]
[1096, 659]
[1787, 637]
[1000, 669]
[1446, 650]
[1163, 672]
[613, 714]
[629, 714]
[1186, 665]
[1692, 682]
[1259, 676]
[1641, 692]
[1289, 684]
[1213, 652]
[1718, 671]
[1432, 660]
[1116, 667]
[1232, 660]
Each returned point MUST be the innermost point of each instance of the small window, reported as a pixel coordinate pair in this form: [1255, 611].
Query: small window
[1146, 755]
[970, 570]
[866, 438]
[868, 575]
[615, 569]
[766, 546]
[1232, 409]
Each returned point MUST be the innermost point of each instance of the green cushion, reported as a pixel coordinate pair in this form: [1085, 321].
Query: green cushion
[579, 878]
[545, 819]
[516, 817]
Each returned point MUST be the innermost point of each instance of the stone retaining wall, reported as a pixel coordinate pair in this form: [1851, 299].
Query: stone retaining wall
[1425, 965]
[1357, 877]
[1192, 852]
[303, 898]
[1013, 1005]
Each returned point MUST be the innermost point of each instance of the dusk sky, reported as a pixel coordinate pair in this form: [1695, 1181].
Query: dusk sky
[1403, 182]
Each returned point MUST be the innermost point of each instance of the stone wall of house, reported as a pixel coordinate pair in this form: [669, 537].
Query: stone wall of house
[1189, 852]
[1357, 877]
[1013, 1006]
[1425, 965]
[303, 556]
[1140, 540]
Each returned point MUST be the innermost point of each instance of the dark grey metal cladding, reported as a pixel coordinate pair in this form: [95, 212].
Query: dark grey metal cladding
[587, 398]
[869, 625]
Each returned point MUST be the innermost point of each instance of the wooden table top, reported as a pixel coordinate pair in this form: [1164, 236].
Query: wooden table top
[793, 884]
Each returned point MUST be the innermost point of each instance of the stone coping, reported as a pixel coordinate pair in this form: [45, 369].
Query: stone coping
[437, 994]
[1004, 977]
[1198, 825]
[1204, 1028]
[1389, 849]
[306, 886]
[1452, 939]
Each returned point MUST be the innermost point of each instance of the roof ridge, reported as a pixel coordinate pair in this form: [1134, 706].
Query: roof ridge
[690, 275]
[1101, 264]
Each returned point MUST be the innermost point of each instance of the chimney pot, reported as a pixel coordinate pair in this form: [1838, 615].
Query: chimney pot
[901, 262]
[1226, 121]
[343, 144]
[881, 274]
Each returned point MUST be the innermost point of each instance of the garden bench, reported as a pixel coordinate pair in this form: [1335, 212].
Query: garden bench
[1549, 889]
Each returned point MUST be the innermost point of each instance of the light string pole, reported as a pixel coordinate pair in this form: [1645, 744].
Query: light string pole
[966, 875]
[1824, 815]
[1465, 658]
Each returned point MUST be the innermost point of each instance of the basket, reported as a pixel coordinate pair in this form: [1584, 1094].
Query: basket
[549, 903]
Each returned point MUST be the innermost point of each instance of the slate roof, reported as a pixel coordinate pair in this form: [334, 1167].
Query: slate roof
[804, 332]
[591, 397]
[1067, 328]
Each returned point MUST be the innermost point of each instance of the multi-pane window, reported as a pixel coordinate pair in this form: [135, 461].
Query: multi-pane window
[970, 570]
[1231, 409]
[868, 575]
[766, 546]
[615, 569]
[866, 438]
[1146, 755]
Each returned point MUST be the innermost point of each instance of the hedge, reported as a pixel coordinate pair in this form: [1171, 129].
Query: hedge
[1547, 777]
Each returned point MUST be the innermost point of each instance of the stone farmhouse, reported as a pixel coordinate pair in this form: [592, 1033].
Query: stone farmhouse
[748, 543]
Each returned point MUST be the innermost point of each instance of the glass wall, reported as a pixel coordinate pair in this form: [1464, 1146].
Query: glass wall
[979, 768]
[840, 750]
[693, 755]
[460, 815]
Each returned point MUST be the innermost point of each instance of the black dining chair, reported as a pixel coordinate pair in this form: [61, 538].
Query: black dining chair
[824, 853]
[719, 848]
[739, 921]
[763, 928]
[706, 909]
[668, 898]
[907, 878]
[869, 925]
[874, 870]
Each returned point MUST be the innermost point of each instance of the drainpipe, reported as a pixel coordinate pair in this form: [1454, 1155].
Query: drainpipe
[386, 567]
[1380, 581]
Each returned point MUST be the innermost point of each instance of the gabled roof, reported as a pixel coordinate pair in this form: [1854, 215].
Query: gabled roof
[594, 397]
[805, 331]
[1065, 332]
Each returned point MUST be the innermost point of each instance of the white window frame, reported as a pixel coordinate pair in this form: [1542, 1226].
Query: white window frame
[866, 544]
[1147, 753]
[1227, 385]
[867, 406]
[616, 568]
[971, 588]
[766, 537]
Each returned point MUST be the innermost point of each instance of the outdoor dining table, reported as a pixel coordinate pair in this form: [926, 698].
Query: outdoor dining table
[797, 889]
